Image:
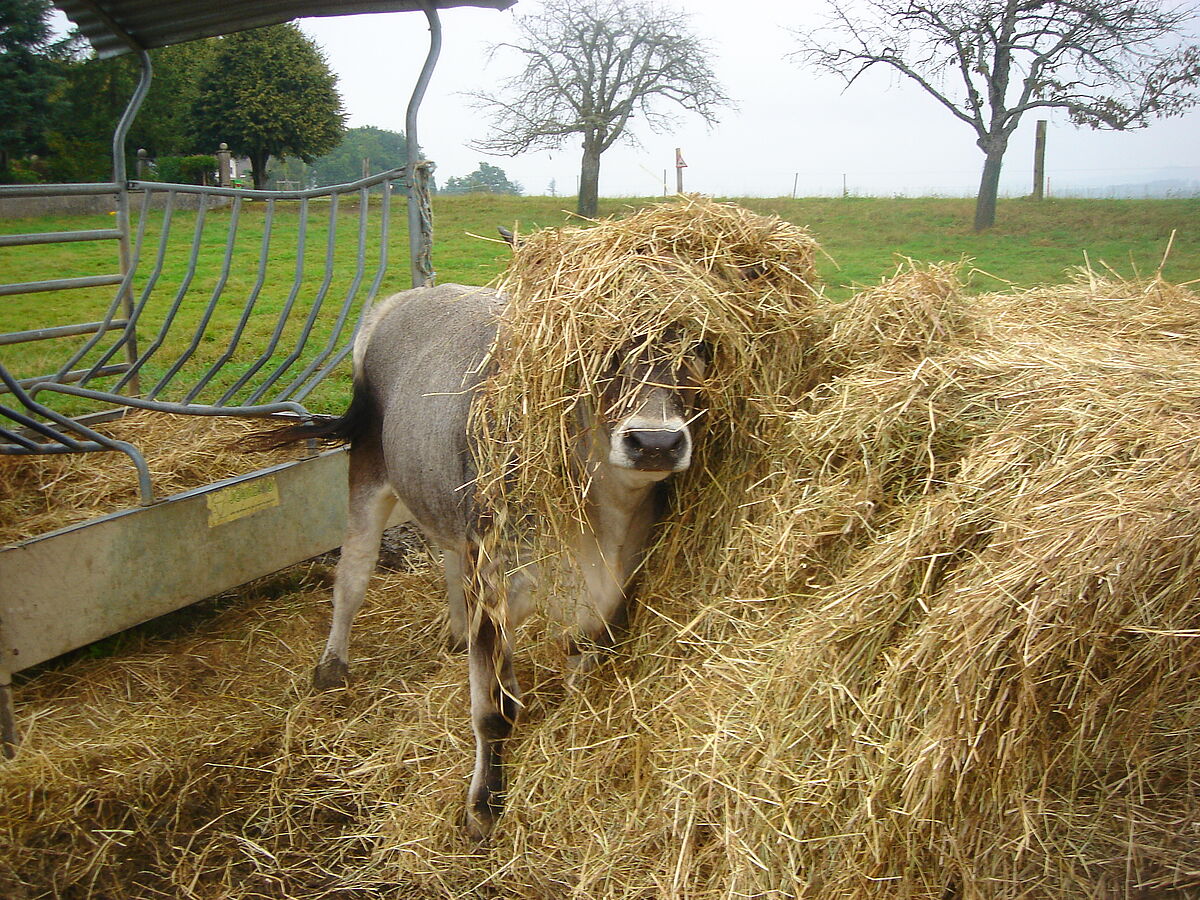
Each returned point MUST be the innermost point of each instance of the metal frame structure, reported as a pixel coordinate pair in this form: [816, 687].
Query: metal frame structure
[63, 590]
[117, 370]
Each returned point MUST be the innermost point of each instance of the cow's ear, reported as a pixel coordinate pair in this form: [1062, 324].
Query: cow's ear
[509, 237]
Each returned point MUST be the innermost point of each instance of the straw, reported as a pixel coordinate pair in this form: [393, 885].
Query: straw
[41, 493]
[923, 624]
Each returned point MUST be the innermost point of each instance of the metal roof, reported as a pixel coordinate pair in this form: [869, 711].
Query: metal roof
[114, 27]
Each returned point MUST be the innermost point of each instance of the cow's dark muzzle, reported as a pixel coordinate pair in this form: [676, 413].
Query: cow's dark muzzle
[657, 449]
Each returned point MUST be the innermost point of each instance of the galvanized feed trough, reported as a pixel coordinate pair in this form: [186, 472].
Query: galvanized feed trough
[154, 345]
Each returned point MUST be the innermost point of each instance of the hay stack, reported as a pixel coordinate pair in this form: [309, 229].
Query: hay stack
[951, 650]
[993, 689]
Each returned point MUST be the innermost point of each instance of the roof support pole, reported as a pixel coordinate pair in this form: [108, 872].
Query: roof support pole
[420, 225]
[120, 176]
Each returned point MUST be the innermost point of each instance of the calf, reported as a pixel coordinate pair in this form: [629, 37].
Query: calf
[418, 362]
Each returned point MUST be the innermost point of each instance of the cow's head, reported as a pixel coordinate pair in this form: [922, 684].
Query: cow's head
[653, 393]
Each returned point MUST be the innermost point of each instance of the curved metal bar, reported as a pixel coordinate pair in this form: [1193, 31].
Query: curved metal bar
[284, 314]
[182, 409]
[314, 311]
[130, 326]
[58, 284]
[247, 307]
[85, 189]
[418, 226]
[173, 310]
[335, 335]
[218, 289]
[334, 361]
[128, 338]
[58, 237]
[121, 176]
[369, 301]
[131, 111]
[397, 174]
[95, 440]
[21, 443]
[385, 224]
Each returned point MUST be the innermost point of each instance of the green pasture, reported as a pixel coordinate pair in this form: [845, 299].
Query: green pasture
[863, 239]
[1033, 242]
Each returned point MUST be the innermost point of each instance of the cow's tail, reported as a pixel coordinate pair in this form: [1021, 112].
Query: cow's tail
[334, 431]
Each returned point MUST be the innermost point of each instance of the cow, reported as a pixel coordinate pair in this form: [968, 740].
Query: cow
[420, 359]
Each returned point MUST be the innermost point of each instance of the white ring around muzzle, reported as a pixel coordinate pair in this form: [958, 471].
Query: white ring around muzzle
[651, 445]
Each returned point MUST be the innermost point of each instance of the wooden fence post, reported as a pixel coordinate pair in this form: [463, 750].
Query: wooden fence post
[1039, 161]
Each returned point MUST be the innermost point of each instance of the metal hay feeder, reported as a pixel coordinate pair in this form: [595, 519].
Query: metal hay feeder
[151, 347]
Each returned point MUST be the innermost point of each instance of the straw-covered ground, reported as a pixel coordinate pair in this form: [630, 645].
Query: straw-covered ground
[923, 624]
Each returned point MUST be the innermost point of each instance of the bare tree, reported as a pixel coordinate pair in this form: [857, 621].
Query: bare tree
[1109, 63]
[590, 67]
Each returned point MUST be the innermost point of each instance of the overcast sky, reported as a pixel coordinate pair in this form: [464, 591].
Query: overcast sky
[788, 128]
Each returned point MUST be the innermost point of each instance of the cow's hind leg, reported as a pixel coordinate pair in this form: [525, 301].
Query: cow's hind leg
[495, 702]
[371, 503]
[457, 601]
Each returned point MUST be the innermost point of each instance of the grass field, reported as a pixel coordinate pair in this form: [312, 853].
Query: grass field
[1033, 243]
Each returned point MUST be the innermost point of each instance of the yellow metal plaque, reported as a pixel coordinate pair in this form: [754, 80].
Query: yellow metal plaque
[240, 500]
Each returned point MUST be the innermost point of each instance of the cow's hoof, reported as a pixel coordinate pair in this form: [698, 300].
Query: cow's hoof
[456, 644]
[480, 821]
[330, 674]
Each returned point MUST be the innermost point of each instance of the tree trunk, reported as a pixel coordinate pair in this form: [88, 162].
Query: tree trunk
[589, 181]
[258, 168]
[989, 187]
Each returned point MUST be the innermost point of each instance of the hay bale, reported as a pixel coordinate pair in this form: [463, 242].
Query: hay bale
[911, 315]
[997, 650]
[951, 649]
[1094, 307]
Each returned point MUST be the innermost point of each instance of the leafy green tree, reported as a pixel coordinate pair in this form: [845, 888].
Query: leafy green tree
[290, 174]
[487, 179]
[93, 94]
[87, 107]
[269, 92]
[165, 124]
[382, 149]
[29, 62]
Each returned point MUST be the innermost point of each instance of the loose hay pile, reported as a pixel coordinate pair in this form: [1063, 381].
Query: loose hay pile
[668, 277]
[951, 649]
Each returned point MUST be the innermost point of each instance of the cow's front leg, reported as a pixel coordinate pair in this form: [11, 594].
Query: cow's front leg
[495, 702]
